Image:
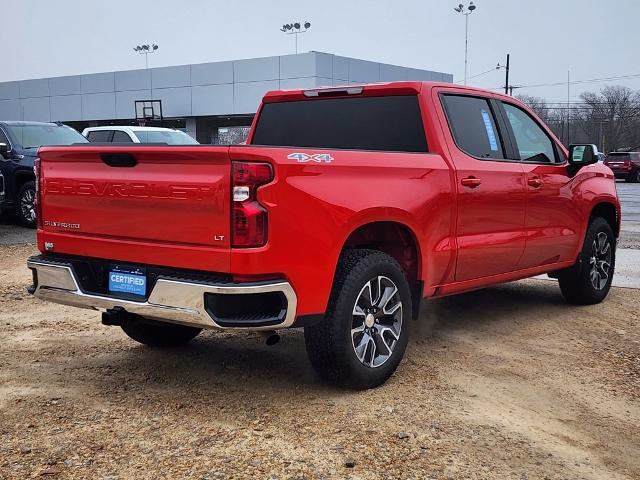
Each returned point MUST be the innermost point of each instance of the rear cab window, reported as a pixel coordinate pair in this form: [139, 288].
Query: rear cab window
[387, 123]
[473, 126]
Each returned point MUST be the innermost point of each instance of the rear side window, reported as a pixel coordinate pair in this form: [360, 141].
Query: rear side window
[100, 136]
[170, 137]
[389, 123]
[473, 126]
[121, 137]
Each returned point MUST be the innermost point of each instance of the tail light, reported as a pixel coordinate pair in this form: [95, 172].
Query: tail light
[249, 222]
[38, 201]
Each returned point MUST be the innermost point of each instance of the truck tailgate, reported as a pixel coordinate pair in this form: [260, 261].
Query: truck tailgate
[175, 197]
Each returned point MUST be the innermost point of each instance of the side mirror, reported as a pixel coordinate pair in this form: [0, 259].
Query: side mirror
[4, 150]
[583, 154]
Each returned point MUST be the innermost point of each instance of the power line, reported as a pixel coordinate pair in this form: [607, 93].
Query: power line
[479, 74]
[633, 109]
[575, 82]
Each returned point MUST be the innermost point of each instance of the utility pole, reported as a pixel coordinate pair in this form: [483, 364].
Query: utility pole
[506, 81]
[601, 139]
[568, 106]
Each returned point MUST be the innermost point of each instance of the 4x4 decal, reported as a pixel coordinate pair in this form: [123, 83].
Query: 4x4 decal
[304, 157]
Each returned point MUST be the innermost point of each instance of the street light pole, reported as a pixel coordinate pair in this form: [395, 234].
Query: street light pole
[295, 28]
[466, 11]
[146, 49]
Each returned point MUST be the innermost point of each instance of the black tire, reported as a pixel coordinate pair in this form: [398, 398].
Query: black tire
[159, 334]
[634, 177]
[25, 208]
[577, 282]
[330, 346]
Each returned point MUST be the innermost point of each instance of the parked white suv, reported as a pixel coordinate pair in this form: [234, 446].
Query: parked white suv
[116, 134]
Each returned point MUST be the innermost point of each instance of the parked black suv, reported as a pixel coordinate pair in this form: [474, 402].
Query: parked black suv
[19, 142]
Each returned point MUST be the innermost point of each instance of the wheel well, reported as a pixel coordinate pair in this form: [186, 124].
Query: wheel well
[609, 213]
[21, 179]
[397, 241]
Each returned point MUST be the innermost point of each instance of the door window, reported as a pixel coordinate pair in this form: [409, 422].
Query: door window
[121, 137]
[533, 144]
[473, 126]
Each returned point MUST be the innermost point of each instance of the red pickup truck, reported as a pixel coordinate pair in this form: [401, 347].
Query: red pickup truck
[345, 209]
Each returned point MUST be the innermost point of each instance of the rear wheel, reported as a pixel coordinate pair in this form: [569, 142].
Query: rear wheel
[589, 280]
[27, 204]
[159, 334]
[364, 334]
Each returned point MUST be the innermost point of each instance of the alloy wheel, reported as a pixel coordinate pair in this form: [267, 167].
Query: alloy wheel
[28, 206]
[600, 261]
[377, 321]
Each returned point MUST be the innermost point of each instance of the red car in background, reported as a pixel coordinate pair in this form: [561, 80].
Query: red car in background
[625, 165]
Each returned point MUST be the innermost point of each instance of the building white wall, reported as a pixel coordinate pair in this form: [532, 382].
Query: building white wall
[220, 88]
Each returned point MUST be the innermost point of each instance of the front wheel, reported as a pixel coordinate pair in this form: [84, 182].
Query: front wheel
[27, 204]
[589, 280]
[158, 334]
[364, 334]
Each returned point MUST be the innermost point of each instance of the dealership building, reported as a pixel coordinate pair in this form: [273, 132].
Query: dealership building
[213, 102]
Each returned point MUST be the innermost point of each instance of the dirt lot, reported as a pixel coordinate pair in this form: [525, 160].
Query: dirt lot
[508, 382]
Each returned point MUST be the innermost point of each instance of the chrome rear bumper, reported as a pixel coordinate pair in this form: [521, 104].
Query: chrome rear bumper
[171, 300]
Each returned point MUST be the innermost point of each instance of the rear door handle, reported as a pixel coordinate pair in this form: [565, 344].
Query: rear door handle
[535, 182]
[471, 182]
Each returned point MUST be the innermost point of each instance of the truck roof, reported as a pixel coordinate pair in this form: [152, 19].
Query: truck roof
[372, 89]
[134, 128]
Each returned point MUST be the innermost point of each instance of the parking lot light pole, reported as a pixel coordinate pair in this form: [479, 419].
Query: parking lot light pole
[466, 11]
[295, 29]
[146, 49]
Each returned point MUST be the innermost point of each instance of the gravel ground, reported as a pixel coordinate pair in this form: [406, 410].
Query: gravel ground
[504, 383]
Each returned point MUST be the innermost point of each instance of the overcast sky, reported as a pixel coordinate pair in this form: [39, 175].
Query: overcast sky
[546, 38]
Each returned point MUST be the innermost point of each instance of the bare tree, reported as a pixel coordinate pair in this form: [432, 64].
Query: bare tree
[538, 104]
[552, 116]
[611, 117]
